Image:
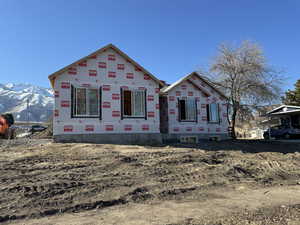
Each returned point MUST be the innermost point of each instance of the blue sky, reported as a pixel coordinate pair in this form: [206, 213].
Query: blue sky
[170, 38]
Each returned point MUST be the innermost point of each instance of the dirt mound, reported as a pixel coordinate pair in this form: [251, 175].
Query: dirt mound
[47, 133]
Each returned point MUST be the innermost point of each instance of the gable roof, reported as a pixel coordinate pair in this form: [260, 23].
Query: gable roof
[280, 108]
[53, 76]
[290, 112]
[187, 77]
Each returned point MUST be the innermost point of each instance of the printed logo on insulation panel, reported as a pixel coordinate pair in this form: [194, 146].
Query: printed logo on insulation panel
[111, 57]
[65, 85]
[121, 67]
[56, 113]
[106, 105]
[102, 65]
[109, 127]
[145, 127]
[106, 87]
[129, 75]
[151, 114]
[112, 74]
[89, 127]
[115, 96]
[201, 129]
[68, 128]
[65, 103]
[116, 114]
[72, 71]
[127, 127]
[176, 129]
[150, 98]
[92, 73]
[189, 129]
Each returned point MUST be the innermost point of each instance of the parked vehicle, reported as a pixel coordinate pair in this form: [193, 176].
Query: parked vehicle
[37, 128]
[282, 131]
[6, 129]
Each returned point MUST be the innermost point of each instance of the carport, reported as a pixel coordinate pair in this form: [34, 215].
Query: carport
[287, 116]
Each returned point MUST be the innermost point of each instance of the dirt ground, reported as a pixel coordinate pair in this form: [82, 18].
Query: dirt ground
[215, 183]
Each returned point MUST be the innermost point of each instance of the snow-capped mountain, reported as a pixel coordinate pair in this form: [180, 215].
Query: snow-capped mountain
[26, 101]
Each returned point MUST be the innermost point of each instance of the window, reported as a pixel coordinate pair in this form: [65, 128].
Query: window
[85, 102]
[187, 109]
[213, 113]
[133, 103]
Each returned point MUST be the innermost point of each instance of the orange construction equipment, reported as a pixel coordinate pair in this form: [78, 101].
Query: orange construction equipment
[6, 120]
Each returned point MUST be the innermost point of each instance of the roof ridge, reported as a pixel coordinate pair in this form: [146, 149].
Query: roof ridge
[176, 83]
[53, 76]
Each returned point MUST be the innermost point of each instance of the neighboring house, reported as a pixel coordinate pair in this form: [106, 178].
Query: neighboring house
[287, 121]
[193, 109]
[106, 97]
[287, 115]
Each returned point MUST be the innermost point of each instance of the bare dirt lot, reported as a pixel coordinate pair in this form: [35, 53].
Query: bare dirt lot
[218, 183]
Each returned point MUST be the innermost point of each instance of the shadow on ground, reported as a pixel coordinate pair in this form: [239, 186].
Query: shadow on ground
[246, 146]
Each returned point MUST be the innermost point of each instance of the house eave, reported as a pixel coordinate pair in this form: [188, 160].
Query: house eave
[187, 77]
[54, 75]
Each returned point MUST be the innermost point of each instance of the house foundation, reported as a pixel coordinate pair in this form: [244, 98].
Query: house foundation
[177, 138]
[138, 138]
[130, 139]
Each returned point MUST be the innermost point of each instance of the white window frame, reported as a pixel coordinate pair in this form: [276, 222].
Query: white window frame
[87, 102]
[143, 103]
[217, 119]
[193, 99]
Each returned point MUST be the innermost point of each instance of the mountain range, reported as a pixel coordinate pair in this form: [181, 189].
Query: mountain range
[27, 102]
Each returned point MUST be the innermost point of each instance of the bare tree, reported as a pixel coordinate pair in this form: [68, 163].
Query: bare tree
[245, 77]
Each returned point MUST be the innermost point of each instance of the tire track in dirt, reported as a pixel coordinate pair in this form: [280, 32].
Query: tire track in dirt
[43, 180]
